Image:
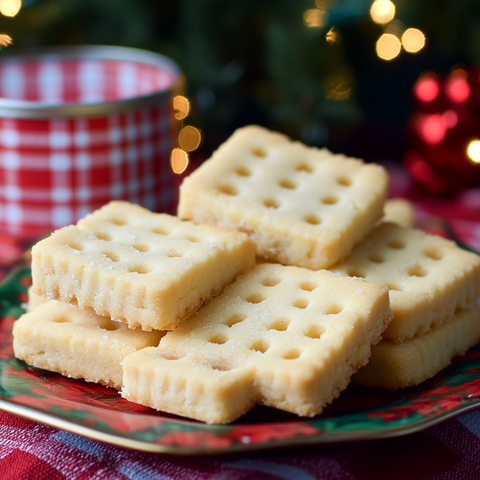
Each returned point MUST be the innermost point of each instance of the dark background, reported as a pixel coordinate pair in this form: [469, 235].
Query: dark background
[255, 61]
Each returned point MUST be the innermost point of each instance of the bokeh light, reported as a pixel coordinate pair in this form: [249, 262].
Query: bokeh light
[181, 107]
[314, 18]
[388, 46]
[178, 160]
[413, 40]
[426, 88]
[457, 88]
[5, 40]
[332, 36]
[10, 8]
[433, 128]
[189, 138]
[382, 11]
[473, 151]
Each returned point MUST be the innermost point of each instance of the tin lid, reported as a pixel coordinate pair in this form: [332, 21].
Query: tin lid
[51, 106]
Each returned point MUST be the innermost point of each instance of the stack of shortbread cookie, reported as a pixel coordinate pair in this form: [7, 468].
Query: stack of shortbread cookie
[271, 286]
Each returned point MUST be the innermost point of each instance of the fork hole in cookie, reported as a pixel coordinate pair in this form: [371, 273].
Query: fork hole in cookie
[304, 167]
[260, 346]
[114, 257]
[355, 273]
[280, 325]
[141, 247]
[259, 152]
[343, 181]
[329, 200]
[220, 365]
[110, 326]
[218, 339]
[288, 184]
[118, 221]
[76, 246]
[271, 203]
[234, 319]
[170, 355]
[314, 331]
[301, 303]
[417, 271]
[376, 259]
[433, 253]
[243, 172]
[173, 254]
[103, 236]
[396, 244]
[292, 354]
[255, 298]
[308, 286]
[61, 320]
[193, 239]
[312, 219]
[228, 189]
[334, 309]
[270, 281]
[160, 231]
[140, 269]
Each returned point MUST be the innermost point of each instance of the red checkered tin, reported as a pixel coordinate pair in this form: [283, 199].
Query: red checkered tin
[81, 126]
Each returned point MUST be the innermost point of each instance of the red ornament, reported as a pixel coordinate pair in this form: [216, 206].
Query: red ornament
[444, 157]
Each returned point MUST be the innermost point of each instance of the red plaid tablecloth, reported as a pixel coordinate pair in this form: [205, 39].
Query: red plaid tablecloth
[450, 450]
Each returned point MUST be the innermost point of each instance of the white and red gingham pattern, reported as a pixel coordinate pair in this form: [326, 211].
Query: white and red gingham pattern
[54, 171]
[77, 81]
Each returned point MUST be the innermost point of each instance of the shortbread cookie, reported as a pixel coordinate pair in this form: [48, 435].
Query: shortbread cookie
[77, 343]
[429, 277]
[394, 365]
[147, 269]
[399, 211]
[283, 336]
[301, 206]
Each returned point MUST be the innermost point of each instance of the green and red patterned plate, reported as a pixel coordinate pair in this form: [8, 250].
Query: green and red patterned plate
[99, 412]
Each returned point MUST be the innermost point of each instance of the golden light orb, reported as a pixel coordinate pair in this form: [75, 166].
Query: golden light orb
[178, 160]
[5, 40]
[413, 40]
[181, 107]
[382, 11]
[473, 151]
[388, 46]
[10, 8]
[189, 138]
[314, 18]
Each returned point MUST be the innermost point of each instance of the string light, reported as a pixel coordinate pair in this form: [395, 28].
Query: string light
[10, 8]
[413, 40]
[473, 151]
[314, 18]
[382, 11]
[388, 46]
[181, 107]
[5, 40]
[178, 160]
[189, 138]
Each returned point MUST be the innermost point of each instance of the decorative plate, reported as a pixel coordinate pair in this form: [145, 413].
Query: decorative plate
[99, 413]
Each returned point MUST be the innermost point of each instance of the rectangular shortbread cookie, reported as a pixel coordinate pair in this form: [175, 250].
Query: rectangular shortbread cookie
[147, 269]
[429, 277]
[399, 211]
[283, 336]
[393, 365]
[77, 343]
[301, 206]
